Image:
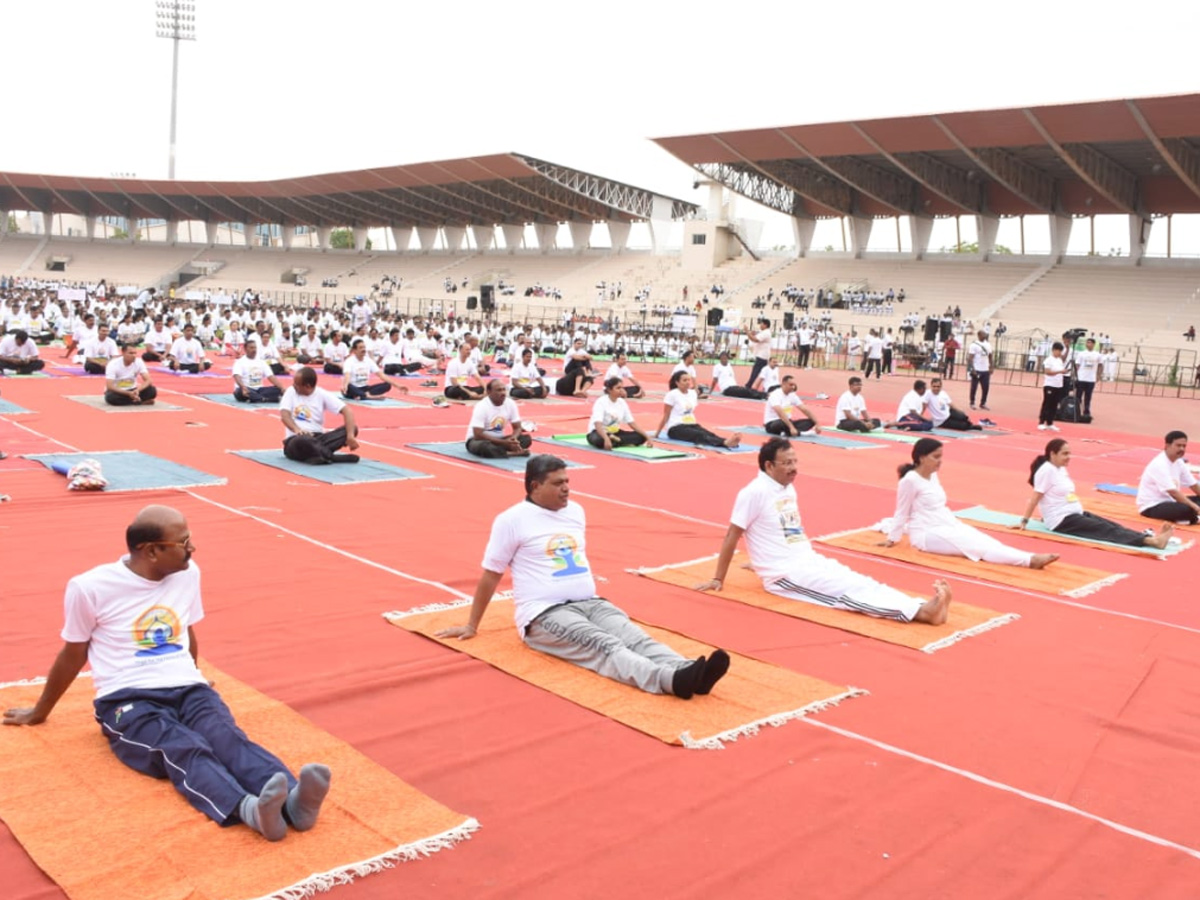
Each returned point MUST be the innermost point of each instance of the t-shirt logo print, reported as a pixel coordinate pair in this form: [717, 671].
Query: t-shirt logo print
[789, 522]
[562, 548]
[157, 631]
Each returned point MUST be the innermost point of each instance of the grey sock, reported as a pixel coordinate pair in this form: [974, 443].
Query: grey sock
[304, 800]
[264, 813]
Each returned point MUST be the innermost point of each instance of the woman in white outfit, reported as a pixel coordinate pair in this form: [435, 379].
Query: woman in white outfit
[921, 511]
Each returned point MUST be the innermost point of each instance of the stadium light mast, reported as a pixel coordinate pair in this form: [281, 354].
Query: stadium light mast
[176, 21]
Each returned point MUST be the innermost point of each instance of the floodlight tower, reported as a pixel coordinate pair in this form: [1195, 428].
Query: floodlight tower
[175, 20]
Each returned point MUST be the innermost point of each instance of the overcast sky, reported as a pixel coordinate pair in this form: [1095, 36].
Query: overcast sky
[273, 88]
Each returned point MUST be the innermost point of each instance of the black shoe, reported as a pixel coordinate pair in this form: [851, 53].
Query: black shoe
[714, 670]
[687, 679]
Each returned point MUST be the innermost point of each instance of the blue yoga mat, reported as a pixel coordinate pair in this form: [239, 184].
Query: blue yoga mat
[130, 470]
[458, 450]
[824, 439]
[1126, 489]
[9, 408]
[365, 470]
[741, 448]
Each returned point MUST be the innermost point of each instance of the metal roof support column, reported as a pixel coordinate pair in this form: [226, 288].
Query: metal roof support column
[287, 233]
[803, 231]
[89, 224]
[987, 227]
[1060, 235]
[860, 235]
[426, 237]
[172, 232]
[210, 232]
[660, 223]
[48, 224]
[920, 229]
[1139, 233]
[618, 234]
[360, 239]
[514, 237]
[401, 237]
[581, 233]
[546, 233]
[484, 237]
[324, 236]
[454, 237]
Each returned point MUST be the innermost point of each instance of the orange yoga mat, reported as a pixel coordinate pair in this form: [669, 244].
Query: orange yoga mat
[744, 586]
[752, 694]
[1060, 577]
[105, 832]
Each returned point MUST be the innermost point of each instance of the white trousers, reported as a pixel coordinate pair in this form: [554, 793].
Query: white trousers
[825, 582]
[963, 540]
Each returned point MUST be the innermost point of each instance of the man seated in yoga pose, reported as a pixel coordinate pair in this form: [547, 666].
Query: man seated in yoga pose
[777, 411]
[852, 412]
[134, 622]
[302, 411]
[620, 369]
[613, 424]
[187, 354]
[943, 412]
[485, 433]
[911, 414]
[724, 382]
[525, 378]
[554, 594]
[1161, 490]
[19, 353]
[309, 350]
[98, 351]
[158, 341]
[780, 554]
[356, 375]
[461, 381]
[253, 379]
[127, 380]
[335, 353]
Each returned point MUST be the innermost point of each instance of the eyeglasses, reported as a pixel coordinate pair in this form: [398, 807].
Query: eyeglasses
[184, 544]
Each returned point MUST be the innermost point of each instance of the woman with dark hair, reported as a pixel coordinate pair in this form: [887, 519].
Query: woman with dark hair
[1054, 493]
[613, 424]
[921, 511]
[1053, 367]
[679, 416]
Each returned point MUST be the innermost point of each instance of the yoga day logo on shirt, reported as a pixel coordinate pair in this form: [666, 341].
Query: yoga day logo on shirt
[302, 413]
[158, 631]
[789, 521]
[562, 549]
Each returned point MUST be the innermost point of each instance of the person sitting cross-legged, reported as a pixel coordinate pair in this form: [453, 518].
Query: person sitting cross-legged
[911, 414]
[127, 380]
[525, 379]
[20, 354]
[461, 381]
[557, 612]
[187, 353]
[851, 414]
[942, 411]
[253, 379]
[302, 411]
[612, 421]
[777, 411]
[356, 375]
[1167, 489]
[486, 435]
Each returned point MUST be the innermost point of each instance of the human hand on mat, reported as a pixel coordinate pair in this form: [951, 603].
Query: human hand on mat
[462, 632]
[22, 716]
[886, 544]
[713, 584]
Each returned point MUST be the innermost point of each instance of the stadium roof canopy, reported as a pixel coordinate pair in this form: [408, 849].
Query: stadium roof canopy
[484, 191]
[1135, 157]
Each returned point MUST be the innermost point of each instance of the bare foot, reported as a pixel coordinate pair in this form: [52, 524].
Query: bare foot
[936, 609]
[1041, 560]
[733, 441]
[518, 452]
[1160, 540]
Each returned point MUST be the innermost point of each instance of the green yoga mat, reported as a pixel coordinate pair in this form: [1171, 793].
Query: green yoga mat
[647, 454]
[992, 517]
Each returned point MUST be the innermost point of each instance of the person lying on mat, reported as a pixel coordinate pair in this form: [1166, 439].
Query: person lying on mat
[679, 416]
[554, 595]
[1161, 489]
[357, 372]
[98, 351]
[187, 353]
[302, 411]
[461, 381]
[620, 369]
[777, 411]
[19, 353]
[253, 380]
[134, 622]
[943, 412]
[766, 513]
[1054, 494]
[911, 414]
[486, 432]
[525, 378]
[724, 381]
[613, 424]
[127, 380]
[851, 414]
[921, 511]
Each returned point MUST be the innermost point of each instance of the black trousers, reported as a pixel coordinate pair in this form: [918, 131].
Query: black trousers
[619, 439]
[93, 368]
[268, 393]
[115, 398]
[1050, 399]
[805, 353]
[527, 393]
[745, 393]
[887, 361]
[461, 392]
[759, 365]
[316, 447]
[858, 425]
[960, 421]
[400, 368]
[876, 364]
[779, 428]
[332, 368]
[354, 392]
[1171, 511]
[26, 368]
[491, 450]
[1093, 527]
[695, 434]
[982, 381]
[1083, 396]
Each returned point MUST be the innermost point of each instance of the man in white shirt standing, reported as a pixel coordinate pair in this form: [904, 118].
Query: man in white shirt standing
[766, 513]
[134, 622]
[495, 429]
[1087, 367]
[874, 355]
[555, 607]
[1161, 491]
[302, 411]
[762, 350]
[979, 358]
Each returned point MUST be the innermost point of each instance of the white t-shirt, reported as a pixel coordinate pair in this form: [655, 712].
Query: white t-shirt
[785, 402]
[1053, 366]
[770, 378]
[979, 351]
[1058, 494]
[618, 371]
[723, 375]
[912, 402]
[875, 348]
[100, 349]
[610, 415]
[253, 372]
[360, 370]
[851, 403]
[393, 352]
[158, 341]
[1160, 476]
[683, 408]
[1087, 365]
[187, 352]
[762, 344]
[939, 407]
[522, 375]
[10, 348]
[124, 375]
[310, 346]
[458, 372]
[137, 629]
[545, 549]
[336, 353]
[492, 418]
[309, 412]
[766, 510]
